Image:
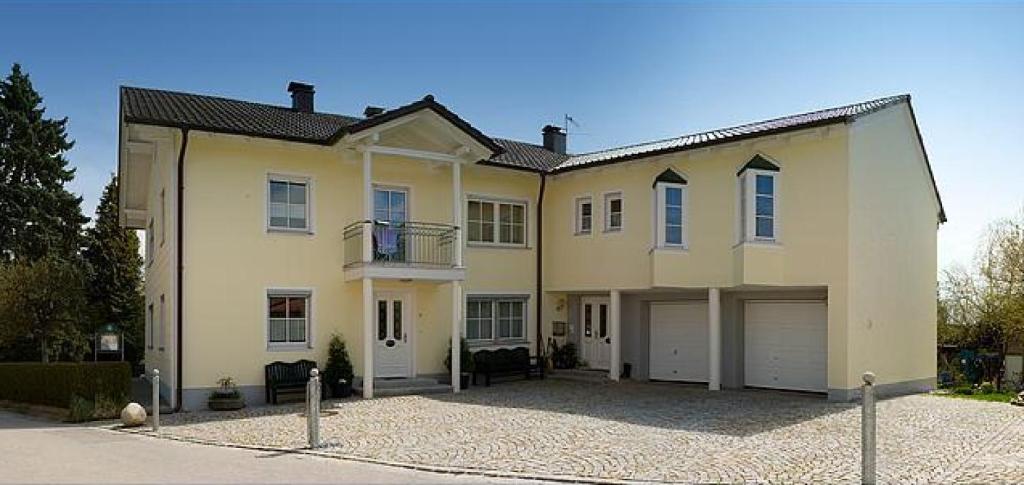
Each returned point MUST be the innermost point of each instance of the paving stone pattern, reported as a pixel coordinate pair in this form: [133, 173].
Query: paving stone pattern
[646, 432]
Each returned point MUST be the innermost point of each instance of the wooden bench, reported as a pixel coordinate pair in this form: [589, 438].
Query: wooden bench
[284, 376]
[506, 362]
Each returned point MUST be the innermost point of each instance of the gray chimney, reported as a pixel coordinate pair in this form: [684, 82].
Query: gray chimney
[372, 111]
[554, 138]
[302, 96]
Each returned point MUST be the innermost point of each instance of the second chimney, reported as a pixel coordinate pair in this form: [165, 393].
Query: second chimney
[554, 139]
[302, 96]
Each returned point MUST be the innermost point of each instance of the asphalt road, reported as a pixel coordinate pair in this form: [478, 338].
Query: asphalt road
[37, 451]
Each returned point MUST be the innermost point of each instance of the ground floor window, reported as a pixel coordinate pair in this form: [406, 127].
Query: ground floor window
[495, 318]
[287, 318]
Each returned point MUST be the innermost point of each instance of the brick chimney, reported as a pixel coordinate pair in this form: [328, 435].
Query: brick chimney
[302, 96]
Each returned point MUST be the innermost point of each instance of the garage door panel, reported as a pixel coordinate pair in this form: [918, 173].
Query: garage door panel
[679, 341]
[785, 345]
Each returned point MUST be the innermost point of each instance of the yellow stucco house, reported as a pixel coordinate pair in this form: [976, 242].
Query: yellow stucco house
[794, 253]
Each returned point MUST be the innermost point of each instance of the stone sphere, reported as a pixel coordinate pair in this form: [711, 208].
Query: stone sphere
[133, 415]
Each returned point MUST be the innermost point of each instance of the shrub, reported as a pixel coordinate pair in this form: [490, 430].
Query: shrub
[564, 357]
[986, 388]
[466, 363]
[89, 390]
[226, 389]
[965, 390]
[339, 366]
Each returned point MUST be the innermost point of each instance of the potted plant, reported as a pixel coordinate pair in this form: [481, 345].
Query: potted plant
[466, 363]
[338, 373]
[226, 397]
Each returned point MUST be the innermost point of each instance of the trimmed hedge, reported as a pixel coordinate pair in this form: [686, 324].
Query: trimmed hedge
[89, 390]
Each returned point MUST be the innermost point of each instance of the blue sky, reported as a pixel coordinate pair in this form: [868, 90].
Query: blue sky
[627, 72]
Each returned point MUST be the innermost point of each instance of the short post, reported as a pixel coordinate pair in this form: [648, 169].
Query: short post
[867, 430]
[156, 400]
[313, 408]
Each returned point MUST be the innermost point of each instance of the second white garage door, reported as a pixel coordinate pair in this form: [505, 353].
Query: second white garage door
[786, 345]
[679, 341]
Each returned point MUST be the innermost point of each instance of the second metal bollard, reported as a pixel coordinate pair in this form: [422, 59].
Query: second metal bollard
[156, 400]
[867, 430]
[313, 408]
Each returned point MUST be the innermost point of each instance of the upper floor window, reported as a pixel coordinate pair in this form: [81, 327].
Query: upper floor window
[163, 216]
[584, 215]
[288, 204]
[671, 197]
[758, 182]
[613, 212]
[496, 222]
[149, 242]
[287, 318]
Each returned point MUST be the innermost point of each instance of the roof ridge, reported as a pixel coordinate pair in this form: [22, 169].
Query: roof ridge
[885, 99]
[234, 100]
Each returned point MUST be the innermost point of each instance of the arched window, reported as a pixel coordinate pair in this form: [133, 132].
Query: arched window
[759, 200]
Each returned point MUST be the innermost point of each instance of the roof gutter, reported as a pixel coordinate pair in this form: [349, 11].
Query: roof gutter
[180, 268]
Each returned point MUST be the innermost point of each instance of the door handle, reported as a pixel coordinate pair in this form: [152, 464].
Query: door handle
[608, 340]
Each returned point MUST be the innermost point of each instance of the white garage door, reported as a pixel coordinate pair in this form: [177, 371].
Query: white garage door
[679, 341]
[786, 345]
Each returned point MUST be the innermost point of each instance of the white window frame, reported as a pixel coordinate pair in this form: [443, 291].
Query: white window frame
[495, 300]
[578, 203]
[607, 215]
[163, 216]
[497, 202]
[150, 326]
[290, 179]
[163, 323]
[306, 293]
[660, 201]
[150, 243]
[747, 190]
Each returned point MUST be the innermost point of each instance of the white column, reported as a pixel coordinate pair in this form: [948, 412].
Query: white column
[367, 206]
[456, 335]
[714, 340]
[368, 337]
[615, 308]
[457, 211]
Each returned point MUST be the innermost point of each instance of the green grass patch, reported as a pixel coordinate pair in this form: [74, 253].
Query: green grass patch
[1004, 396]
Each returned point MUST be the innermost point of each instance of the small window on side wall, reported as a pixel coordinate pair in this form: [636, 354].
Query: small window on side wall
[584, 215]
[613, 212]
[288, 204]
[758, 200]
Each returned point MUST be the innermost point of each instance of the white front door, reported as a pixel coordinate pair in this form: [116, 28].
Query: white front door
[392, 352]
[786, 345]
[596, 344]
[679, 341]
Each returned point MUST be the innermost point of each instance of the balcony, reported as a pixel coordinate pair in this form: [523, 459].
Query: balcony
[402, 250]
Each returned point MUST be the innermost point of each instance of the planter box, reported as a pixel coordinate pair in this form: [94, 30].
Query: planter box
[226, 403]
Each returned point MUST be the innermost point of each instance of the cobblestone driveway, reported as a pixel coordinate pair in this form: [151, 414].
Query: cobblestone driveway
[647, 432]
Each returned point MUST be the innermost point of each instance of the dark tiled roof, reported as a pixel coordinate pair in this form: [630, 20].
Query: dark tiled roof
[222, 115]
[787, 123]
[527, 155]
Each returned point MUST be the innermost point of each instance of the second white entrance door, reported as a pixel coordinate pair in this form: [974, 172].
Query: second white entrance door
[392, 352]
[596, 336]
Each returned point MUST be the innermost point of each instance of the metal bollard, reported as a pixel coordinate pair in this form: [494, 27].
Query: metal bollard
[156, 400]
[867, 430]
[313, 408]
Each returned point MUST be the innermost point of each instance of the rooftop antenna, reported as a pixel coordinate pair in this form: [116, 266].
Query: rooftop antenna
[566, 121]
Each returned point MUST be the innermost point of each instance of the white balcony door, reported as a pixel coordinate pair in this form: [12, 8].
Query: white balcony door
[392, 356]
[390, 212]
[596, 335]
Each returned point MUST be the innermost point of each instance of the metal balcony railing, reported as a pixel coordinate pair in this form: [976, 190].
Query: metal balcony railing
[421, 244]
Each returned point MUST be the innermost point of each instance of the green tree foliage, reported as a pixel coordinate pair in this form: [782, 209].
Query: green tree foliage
[38, 216]
[984, 305]
[114, 291]
[44, 300]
